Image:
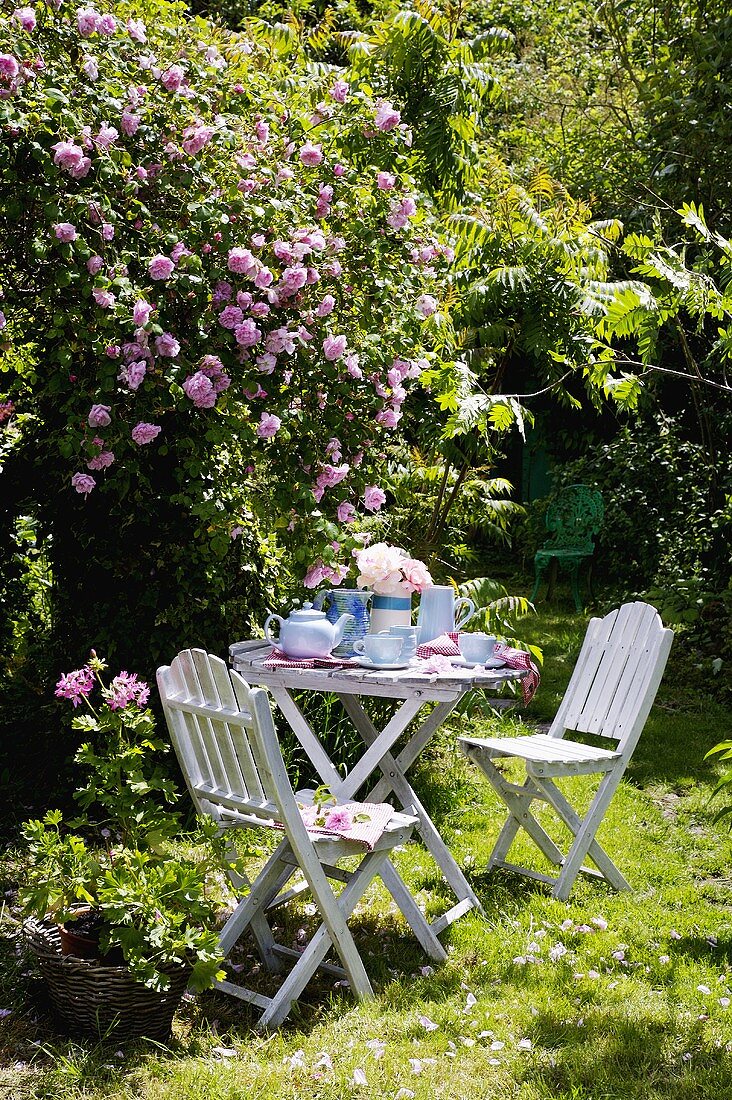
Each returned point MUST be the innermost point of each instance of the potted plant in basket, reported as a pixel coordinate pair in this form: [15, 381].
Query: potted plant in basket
[144, 901]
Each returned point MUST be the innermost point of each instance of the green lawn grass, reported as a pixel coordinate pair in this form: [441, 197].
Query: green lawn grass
[538, 1000]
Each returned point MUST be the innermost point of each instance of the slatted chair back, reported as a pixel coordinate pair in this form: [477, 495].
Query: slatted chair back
[224, 736]
[616, 676]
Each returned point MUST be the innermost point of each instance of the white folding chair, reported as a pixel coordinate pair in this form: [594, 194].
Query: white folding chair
[225, 740]
[610, 694]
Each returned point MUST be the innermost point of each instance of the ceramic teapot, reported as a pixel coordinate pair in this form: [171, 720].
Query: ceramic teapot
[307, 632]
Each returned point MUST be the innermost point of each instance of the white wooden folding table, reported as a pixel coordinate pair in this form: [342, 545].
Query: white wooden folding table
[412, 691]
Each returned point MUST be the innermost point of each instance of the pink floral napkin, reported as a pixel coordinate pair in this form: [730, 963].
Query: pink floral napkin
[340, 821]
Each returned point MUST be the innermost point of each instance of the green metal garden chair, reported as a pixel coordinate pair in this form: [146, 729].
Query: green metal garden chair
[573, 519]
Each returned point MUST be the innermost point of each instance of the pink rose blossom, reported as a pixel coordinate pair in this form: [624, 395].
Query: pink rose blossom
[91, 68]
[386, 117]
[141, 312]
[385, 181]
[137, 30]
[104, 298]
[9, 68]
[101, 461]
[346, 512]
[130, 123]
[83, 483]
[196, 137]
[133, 374]
[388, 418]
[167, 345]
[66, 154]
[172, 78]
[112, 350]
[338, 820]
[326, 306]
[427, 305]
[373, 498]
[416, 575]
[107, 24]
[3, 320]
[269, 425]
[107, 231]
[247, 334]
[200, 390]
[339, 91]
[334, 347]
[263, 278]
[65, 232]
[160, 267]
[261, 129]
[143, 433]
[26, 18]
[107, 136]
[241, 261]
[260, 309]
[230, 317]
[99, 416]
[311, 155]
[87, 21]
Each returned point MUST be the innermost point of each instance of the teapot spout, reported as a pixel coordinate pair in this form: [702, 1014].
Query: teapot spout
[341, 624]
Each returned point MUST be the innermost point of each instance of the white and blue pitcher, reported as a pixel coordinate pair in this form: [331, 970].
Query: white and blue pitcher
[440, 612]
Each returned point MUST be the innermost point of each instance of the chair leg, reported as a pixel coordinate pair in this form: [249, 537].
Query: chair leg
[321, 943]
[260, 894]
[540, 565]
[574, 581]
[260, 928]
[584, 831]
[412, 913]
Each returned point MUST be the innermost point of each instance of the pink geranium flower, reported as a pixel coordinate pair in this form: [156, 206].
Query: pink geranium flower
[78, 684]
[143, 433]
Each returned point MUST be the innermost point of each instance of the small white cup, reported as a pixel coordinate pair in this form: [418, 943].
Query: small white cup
[408, 634]
[477, 648]
[381, 649]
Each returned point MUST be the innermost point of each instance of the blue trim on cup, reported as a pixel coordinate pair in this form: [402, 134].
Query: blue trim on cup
[392, 603]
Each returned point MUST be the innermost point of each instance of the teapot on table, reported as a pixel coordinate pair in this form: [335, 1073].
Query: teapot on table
[307, 633]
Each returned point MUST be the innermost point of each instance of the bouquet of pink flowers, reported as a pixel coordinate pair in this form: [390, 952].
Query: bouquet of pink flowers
[389, 571]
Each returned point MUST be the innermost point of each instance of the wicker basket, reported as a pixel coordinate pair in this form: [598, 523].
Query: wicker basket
[102, 1001]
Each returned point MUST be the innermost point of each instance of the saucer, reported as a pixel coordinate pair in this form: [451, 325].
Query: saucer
[493, 662]
[366, 662]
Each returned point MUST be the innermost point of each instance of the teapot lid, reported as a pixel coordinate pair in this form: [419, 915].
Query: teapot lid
[307, 614]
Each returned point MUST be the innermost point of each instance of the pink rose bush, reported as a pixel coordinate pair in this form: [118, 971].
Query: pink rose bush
[201, 268]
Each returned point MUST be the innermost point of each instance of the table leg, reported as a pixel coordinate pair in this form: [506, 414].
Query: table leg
[396, 781]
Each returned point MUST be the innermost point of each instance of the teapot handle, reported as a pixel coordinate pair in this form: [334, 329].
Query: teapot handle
[272, 618]
[468, 613]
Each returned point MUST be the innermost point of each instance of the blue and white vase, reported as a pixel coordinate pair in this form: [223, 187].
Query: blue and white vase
[353, 601]
[388, 611]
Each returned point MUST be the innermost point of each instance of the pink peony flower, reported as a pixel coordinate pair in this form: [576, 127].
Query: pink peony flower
[83, 483]
[385, 181]
[200, 390]
[416, 575]
[346, 512]
[160, 267]
[386, 117]
[373, 498]
[141, 312]
[311, 155]
[269, 425]
[167, 345]
[104, 298]
[65, 232]
[99, 416]
[334, 347]
[426, 305]
[143, 433]
[26, 18]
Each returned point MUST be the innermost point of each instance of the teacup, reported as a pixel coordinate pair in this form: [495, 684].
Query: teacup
[381, 649]
[477, 648]
[408, 634]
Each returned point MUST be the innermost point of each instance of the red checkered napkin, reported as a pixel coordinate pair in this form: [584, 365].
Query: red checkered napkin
[518, 659]
[446, 646]
[278, 659]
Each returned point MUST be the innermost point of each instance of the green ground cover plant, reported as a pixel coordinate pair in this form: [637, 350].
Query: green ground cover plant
[606, 997]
